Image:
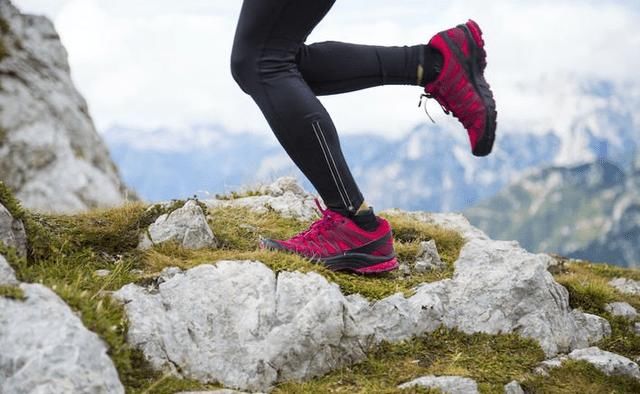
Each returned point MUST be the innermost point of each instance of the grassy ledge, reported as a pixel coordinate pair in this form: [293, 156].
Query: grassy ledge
[589, 291]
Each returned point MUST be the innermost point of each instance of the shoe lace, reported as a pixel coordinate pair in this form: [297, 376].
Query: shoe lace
[327, 222]
[430, 96]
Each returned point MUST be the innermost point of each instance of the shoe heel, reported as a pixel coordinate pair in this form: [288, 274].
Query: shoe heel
[379, 268]
[476, 32]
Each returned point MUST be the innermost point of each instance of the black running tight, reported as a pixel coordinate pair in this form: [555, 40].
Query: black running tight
[271, 62]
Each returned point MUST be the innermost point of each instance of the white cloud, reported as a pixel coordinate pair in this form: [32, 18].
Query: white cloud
[162, 62]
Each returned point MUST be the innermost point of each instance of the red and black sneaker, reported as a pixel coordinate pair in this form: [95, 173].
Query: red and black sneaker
[460, 87]
[337, 242]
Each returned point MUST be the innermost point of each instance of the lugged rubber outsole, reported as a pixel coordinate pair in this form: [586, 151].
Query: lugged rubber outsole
[475, 70]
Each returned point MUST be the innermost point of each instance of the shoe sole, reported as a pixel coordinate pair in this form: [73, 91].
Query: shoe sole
[475, 71]
[360, 263]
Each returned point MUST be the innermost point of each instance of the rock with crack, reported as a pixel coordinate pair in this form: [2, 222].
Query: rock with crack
[284, 196]
[428, 258]
[238, 324]
[607, 362]
[46, 349]
[187, 226]
[499, 287]
[446, 384]
[622, 309]
[7, 275]
[12, 232]
[627, 286]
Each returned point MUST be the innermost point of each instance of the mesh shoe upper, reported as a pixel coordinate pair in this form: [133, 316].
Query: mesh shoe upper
[334, 235]
[461, 88]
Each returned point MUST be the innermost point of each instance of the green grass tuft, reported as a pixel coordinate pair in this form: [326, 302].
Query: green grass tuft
[10, 202]
[12, 292]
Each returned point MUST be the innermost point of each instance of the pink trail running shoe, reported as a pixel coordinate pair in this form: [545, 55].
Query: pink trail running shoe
[338, 243]
[460, 87]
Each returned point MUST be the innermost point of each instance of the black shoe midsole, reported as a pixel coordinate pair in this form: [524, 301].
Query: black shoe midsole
[353, 261]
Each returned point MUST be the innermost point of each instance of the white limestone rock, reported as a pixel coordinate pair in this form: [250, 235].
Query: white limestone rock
[428, 258]
[607, 362]
[593, 327]
[447, 384]
[499, 287]
[7, 275]
[284, 196]
[627, 286]
[238, 324]
[187, 226]
[46, 349]
[513, 387]
[50, 152]
[621, 309]
[12, 232]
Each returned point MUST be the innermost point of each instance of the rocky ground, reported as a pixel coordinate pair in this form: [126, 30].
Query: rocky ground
[50, 153]
[176, 297]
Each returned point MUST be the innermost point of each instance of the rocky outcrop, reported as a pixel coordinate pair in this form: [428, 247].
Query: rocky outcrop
[45, 347]
[446, 384]
[238, 323]
[50, 153]
[284, 196]
[186, 225]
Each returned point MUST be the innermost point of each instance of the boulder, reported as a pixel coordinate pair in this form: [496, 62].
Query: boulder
[607, 362]
[46, 349]
[187, 226]
[447, 384]
[239, 324]
[499, 287]
[593, 327]
[12, 232]
[627, 286]
[284, 196]
[428, 258]
[621, 309]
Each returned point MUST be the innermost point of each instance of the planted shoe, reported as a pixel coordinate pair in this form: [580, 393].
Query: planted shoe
[338, 243]
[460, 87]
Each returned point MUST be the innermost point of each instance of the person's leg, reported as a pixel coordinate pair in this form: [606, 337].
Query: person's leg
[336, 67]
[268, 38]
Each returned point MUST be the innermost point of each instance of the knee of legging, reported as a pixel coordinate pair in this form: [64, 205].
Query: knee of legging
[244, 69]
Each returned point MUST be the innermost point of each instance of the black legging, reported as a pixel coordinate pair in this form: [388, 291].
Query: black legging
[271, 63]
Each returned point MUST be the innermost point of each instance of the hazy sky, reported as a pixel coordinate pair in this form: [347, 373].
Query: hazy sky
[149, 63]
